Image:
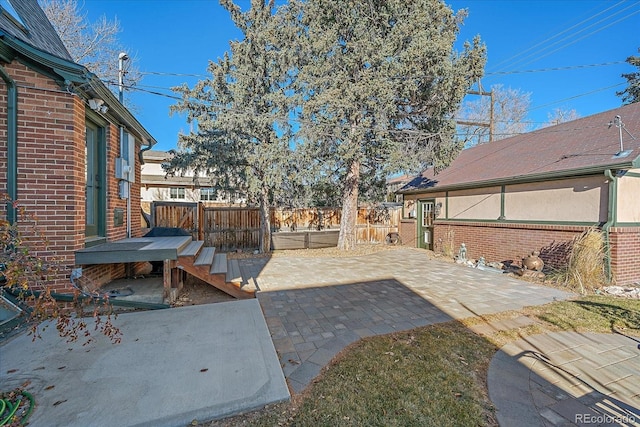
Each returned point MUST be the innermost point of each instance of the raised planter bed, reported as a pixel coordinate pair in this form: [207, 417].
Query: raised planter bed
[304, 239]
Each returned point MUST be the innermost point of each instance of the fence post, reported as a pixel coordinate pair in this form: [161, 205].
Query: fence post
[200, 221]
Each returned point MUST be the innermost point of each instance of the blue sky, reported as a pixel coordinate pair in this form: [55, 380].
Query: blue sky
[545, 47]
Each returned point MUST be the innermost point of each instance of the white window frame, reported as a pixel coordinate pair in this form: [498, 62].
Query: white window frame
[177, 193]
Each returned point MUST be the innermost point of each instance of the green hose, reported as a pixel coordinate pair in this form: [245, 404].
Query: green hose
[5, 404]
[12, 412]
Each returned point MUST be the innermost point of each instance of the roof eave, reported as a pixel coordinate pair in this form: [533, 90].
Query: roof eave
[520, 179]
[70, 73]
[119, 110]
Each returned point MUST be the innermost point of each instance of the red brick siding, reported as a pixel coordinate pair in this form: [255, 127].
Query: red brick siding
[625, 254]
[408, 232]
[509, 242]
[51, 170]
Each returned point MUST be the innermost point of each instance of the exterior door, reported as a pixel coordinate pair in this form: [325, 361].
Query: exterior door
[94, 187]
[426, 211]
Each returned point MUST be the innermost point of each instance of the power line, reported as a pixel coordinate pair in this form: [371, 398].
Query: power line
[544, 70]
[575, 96]
[585, 36]
[158, 73]
[405, 131]
[567, 30]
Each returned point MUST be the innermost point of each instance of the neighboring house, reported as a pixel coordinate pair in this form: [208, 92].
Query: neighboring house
[72, 150]
[394, 184]
[537, 192]
[157, 186]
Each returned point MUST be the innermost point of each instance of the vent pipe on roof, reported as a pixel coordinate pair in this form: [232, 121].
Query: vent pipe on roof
[617, 122]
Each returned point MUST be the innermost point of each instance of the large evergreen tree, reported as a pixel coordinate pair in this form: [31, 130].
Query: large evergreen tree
[240, 139]
[632, 93]
[379, 82]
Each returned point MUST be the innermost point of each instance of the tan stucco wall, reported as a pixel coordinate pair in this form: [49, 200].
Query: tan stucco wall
[410, 203]
[480, 204]
[576, 200]
[150, 194]
[629, 199]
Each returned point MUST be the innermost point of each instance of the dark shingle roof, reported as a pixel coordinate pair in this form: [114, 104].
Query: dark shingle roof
[39, 31]
[571, 148]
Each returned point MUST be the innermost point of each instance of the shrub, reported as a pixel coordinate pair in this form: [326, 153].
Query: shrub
[28, 270]
[585, 270]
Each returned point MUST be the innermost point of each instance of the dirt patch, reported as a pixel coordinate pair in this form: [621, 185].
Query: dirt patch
[197, 292]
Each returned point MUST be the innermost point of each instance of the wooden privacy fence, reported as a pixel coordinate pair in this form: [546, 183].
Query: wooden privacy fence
[178, 214]
[231, 228]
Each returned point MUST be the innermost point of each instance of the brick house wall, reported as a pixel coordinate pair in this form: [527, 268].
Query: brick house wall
[51, 171]
[509, 242]
[625, 253]
[50, 163]
[408, 232]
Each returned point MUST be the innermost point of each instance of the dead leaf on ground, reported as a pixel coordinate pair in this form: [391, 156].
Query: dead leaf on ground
[49, 387]
[59, 402]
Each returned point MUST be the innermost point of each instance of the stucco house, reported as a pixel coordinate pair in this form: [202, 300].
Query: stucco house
[157, 186]
[537, 191]
[69, 150]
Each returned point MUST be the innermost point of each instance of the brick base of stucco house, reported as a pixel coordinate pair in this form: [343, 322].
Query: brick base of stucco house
[512, 242]
[625, 254]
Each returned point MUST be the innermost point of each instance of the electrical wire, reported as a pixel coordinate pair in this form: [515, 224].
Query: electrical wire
[583, 37]
[511, 61]
[346, 127]
[574, 97]
[544, 70]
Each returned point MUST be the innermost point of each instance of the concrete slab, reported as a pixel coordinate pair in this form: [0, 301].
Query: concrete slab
[147, 289]
[173, 366]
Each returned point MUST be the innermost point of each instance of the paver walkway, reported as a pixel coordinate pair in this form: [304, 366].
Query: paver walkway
[315, 307]
[567, 379]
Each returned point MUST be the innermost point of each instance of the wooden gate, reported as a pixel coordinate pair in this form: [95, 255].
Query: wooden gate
[230, 228]
[183, 215]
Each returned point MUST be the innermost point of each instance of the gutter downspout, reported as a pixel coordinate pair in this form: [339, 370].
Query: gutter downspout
[142, 150]
[12, 144]
[611, 220]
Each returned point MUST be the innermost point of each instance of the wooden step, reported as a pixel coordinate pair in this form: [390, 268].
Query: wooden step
[219, 265]
[233, 271]
[206, 256]
[192, 248]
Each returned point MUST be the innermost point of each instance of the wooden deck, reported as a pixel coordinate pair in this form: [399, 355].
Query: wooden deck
[133, 250]
[180, 256]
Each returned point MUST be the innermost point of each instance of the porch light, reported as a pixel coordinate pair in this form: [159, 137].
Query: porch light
[97, 104]
[438, 209]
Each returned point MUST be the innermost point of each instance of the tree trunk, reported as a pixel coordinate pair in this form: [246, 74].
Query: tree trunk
[347, 236]
[265, 223]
